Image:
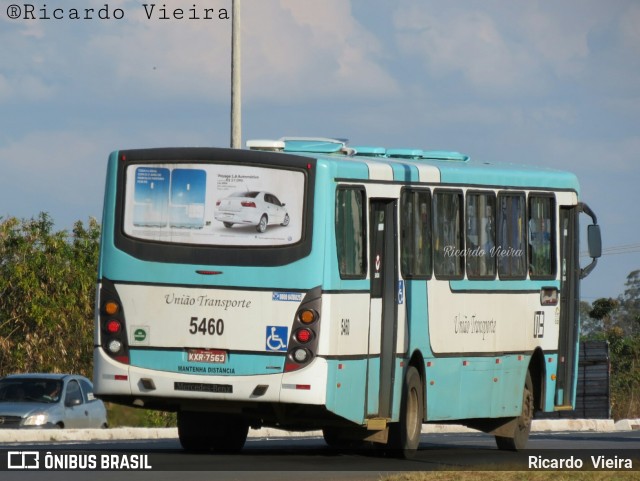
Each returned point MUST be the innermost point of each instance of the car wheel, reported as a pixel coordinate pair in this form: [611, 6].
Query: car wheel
[228, 225]
[262, 225]
[285, 221]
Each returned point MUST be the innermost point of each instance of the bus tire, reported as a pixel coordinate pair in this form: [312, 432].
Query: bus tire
[404, 436]
[522, 426]
[211, 432]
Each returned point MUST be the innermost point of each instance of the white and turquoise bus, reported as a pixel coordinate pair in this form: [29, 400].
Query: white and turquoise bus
[304, 284]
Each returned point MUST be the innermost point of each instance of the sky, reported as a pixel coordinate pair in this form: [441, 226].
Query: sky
[555, 84]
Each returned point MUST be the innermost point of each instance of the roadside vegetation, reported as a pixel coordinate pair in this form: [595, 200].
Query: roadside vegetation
[514, 476]
[47, 295]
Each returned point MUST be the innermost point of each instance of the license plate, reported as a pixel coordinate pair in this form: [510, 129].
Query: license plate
[212, 356]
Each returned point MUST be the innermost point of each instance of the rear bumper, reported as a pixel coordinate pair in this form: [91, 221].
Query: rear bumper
[114, 379]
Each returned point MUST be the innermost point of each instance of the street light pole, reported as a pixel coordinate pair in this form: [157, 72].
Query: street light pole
[236, 87]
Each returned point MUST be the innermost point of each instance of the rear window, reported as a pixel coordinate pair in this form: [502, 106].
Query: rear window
[213, 204]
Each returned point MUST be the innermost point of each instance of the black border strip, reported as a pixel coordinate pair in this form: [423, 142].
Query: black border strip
[154, 251]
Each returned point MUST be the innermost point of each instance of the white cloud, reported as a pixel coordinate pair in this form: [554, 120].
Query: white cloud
[499, 48]
[466, 43]
[307, 50]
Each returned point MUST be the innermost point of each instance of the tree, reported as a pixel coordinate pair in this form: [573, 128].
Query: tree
[629, 318]
[47, 291]
[603, 310]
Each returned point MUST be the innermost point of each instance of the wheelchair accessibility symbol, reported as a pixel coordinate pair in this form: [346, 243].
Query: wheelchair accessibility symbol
[277, 338]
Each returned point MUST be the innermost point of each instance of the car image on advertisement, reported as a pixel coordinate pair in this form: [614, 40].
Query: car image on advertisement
[49, 401]
[251, 208]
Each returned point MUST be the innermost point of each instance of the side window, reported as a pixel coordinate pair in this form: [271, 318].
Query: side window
[448, 241]
[481, 235]
[511, 246]
[415, 231]
[350, 232]
[87, 390]
[73, 396]
[541, 236]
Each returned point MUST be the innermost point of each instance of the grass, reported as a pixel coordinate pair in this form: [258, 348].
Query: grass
[516, 476]
[121, 416]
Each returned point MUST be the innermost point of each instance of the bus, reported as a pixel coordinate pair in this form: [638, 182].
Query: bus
[304, 284]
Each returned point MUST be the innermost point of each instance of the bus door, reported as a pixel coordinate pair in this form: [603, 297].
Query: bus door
[384, 307]
[569, 307]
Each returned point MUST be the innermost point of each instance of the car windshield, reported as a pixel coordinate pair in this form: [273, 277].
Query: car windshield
[30, 390]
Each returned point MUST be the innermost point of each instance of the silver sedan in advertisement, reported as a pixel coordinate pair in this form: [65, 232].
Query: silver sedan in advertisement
[254, 208]
[49, 401]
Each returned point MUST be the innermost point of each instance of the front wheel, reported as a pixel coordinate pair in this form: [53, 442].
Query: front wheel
[522, 425]
[285, 221]
[404, 436]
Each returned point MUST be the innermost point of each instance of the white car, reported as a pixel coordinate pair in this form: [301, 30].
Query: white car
[49, 401]
[251, 208]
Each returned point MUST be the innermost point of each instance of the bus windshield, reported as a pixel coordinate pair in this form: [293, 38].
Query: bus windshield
[214, 204]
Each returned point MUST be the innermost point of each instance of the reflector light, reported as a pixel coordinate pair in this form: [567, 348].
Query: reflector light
[307, 316]
[303, 335]
[291, 366]
[111, 307]
[121, 377]
[113, 326]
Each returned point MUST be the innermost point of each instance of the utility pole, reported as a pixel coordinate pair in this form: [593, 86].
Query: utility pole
[236, 86]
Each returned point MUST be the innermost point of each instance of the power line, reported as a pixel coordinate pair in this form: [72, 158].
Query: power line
[616, 250]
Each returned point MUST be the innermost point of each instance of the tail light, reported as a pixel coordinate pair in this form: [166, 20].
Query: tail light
[303, 344]
[248, 204]
[303, 335]
[113, 332]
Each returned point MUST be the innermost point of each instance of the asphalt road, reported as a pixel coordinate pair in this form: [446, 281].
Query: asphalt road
[283, 459]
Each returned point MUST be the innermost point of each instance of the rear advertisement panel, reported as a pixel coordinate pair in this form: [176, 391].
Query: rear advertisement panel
[214, 204]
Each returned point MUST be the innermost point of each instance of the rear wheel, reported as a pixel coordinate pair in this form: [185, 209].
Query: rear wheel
[228, 225]
[522, 426]
[404, 436]
[262, 225]
[211, 431]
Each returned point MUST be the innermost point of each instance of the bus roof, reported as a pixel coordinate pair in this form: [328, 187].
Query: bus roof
[416, 165]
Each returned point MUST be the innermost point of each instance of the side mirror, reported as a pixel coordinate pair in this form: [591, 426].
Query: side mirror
[75, 401]
[595, 241]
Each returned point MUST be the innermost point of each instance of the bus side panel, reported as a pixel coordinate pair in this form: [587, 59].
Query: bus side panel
[417, 332]
[344, 341]
[345, 390]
